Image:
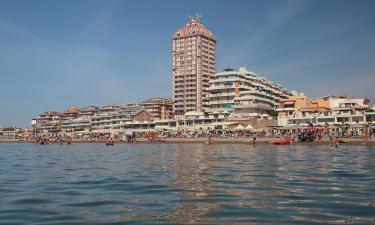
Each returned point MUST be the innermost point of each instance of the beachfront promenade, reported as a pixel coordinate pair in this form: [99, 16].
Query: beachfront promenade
[227, 140]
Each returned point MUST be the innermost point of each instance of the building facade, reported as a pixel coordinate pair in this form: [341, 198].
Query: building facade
[88, 111]
[70, 113]
[194, 65]
[245, 93]
[159, 108]
[82, 123]
[110, 121]
[325, 111]
[49, 122]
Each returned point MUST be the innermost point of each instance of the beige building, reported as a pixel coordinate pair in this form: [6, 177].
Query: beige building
[159, 108]
[88, 111]
[70, 113]
[323, 111]
[194, 65]
[110, 121]
[49, 121]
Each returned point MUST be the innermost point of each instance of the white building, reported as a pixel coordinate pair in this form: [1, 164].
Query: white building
[244, 93]
[110, 121]
[82, 123]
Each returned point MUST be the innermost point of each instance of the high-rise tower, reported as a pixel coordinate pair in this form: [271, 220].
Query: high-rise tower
[194, 65]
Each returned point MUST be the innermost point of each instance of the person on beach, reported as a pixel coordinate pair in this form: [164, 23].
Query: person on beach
[69, 140]
[61, 141]
[365, 138]
[254, 139]
[319, 136]
[337, 141]
[331, 140]
[209, 139]
[123, 138]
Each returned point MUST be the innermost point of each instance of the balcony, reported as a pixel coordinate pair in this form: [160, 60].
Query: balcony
[285, 109]
[223, 94]
[221, 87]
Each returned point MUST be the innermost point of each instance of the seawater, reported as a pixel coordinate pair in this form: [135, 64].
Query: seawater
[186, 184]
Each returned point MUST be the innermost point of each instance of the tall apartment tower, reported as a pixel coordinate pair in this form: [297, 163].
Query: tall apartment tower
[194, 65]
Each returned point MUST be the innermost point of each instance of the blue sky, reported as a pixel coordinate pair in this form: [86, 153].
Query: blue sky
[56, 54]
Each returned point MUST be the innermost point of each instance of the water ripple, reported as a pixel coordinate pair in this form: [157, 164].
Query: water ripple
[186, 184]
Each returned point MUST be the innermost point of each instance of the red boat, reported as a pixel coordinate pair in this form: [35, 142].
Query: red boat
[284, 141]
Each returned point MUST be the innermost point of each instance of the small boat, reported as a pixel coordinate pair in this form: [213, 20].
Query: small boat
[284, 141]
[343, 141]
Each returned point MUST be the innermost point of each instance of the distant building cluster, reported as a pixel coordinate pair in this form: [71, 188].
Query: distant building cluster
[202, 99]
[106, 118]
[330, 111]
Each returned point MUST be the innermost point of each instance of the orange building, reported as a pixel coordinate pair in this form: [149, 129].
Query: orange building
[194, 65]
[329, 110]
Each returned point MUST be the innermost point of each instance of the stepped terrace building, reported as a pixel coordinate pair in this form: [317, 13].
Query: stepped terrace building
[109, 108]
[159, 108]
[70, 113]
[88, 111]
[194, 65]
[299, 111]
[110, 121]
[77, 124]
[49, 122]
[245, 93]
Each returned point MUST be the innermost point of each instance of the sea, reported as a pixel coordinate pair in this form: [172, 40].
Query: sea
[186, 184]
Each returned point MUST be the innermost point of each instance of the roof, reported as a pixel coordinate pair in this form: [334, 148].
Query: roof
[49, 113]
[193, 28]
[89, 108]
[157, 100]
[71, 110]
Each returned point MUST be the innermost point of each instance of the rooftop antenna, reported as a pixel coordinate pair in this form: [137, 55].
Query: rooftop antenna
[197, 17]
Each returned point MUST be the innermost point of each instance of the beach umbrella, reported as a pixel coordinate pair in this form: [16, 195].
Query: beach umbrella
[249, 127]
[239, 127]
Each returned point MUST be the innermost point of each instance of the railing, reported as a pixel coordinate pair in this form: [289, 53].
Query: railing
[222, 94]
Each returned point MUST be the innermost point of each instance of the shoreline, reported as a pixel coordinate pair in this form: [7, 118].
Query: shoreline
[262, 141]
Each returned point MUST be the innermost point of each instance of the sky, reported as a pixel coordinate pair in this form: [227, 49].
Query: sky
[57, 54]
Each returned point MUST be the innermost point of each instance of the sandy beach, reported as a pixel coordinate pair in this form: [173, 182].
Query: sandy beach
[350, 141]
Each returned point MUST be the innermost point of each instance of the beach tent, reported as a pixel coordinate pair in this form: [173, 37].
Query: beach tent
[249, 127]
[239, 127]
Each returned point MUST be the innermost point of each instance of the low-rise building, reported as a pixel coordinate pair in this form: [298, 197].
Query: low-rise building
[88, 111]
[324, 111]
[49, 122]
[108, 122]
[77, 124]
[109, 108]
[159, 108]
[70, 113]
